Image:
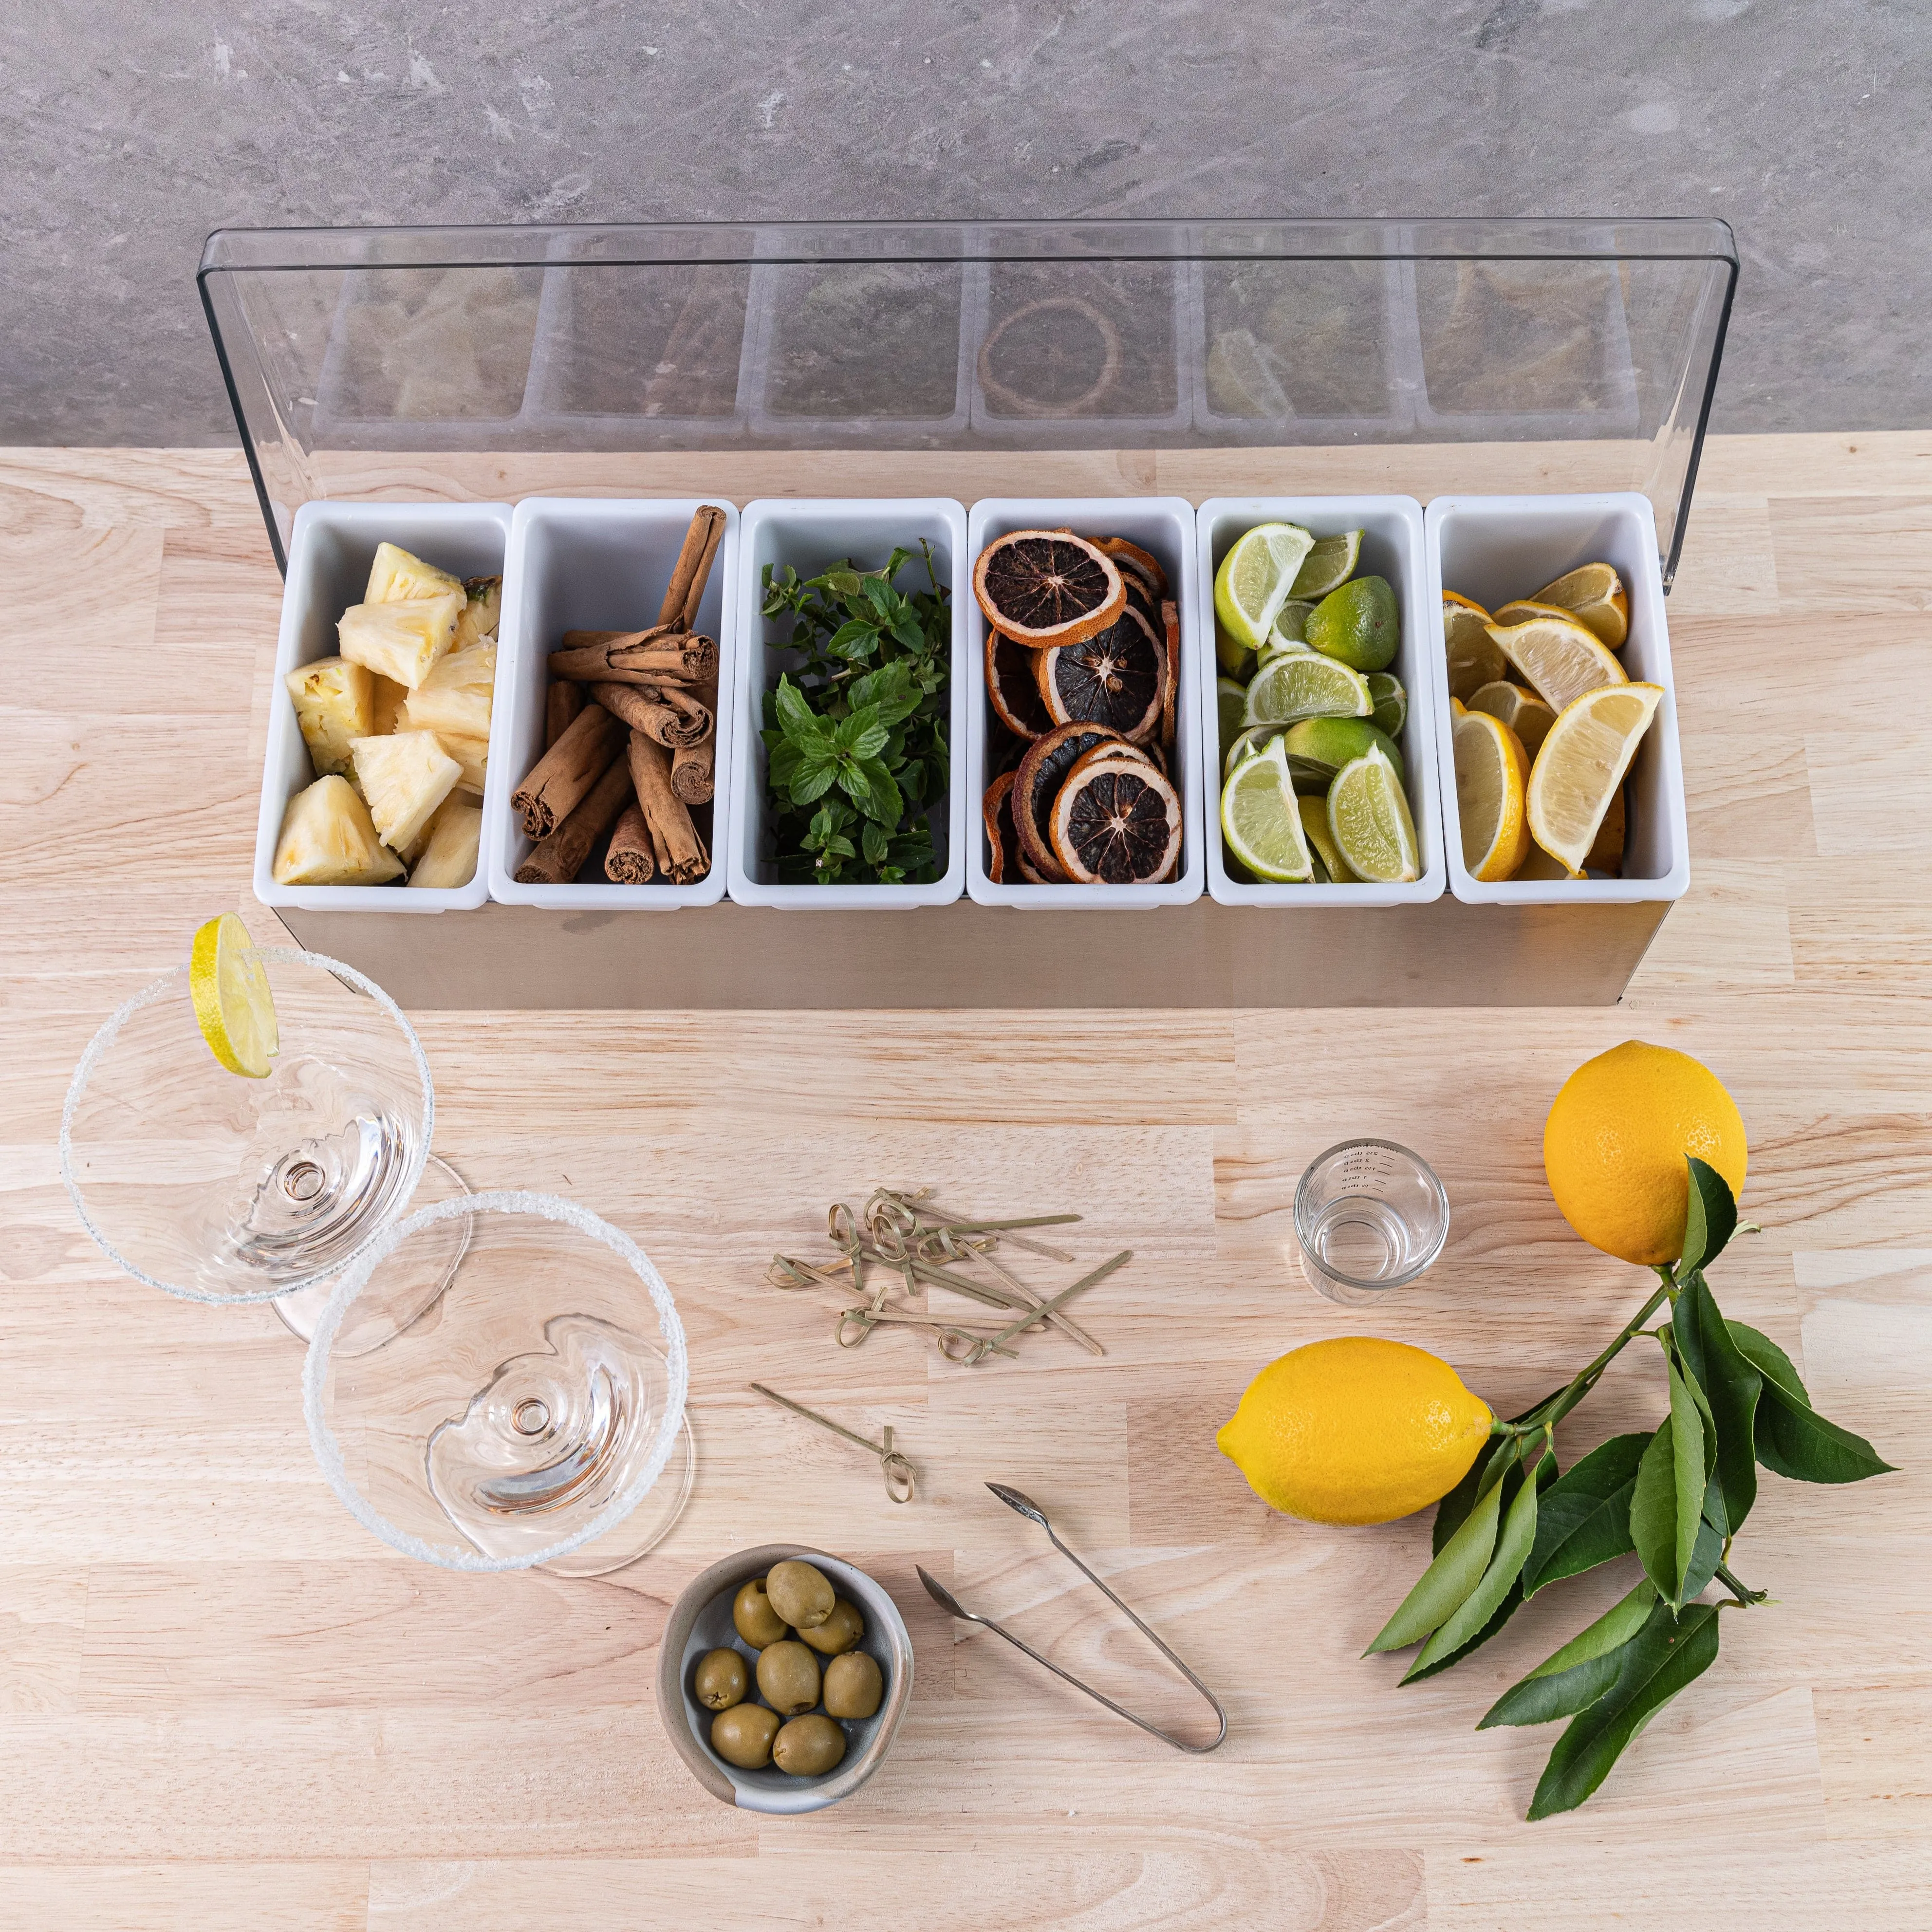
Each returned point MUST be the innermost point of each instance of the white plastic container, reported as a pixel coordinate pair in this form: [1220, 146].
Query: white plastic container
[1165, 526]
[810, 536]
[331, 547]
[1494, 548]
[1392, 547]
[596, 563]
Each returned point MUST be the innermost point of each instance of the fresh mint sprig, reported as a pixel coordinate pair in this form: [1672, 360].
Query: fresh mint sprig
[855, 732]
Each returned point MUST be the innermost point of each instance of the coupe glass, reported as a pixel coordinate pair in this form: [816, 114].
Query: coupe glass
[218, 1188]
[1371, 1216]
[537, 1409]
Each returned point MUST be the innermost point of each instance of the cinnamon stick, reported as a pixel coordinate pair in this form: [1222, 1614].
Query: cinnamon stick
[575, 640]
[646, 708]
[565, 701]
[557, 860]
[681, 657]
[686, 860]
[693, 770]
[630, 860]
[560, 778]
[685, 591]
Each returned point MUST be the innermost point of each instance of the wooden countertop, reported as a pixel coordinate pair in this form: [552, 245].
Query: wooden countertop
[223, 1704]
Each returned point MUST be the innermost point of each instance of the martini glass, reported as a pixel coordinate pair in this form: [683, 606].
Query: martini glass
[218, 1188]
[534, 1417]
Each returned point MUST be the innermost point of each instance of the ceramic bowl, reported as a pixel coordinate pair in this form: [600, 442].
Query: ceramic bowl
[701, 1621]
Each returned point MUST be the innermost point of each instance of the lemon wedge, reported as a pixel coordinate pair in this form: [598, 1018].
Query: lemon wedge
[1558, 657]
[1522, 710]
[1475, 660]
[1595, 597]
[1490, 773]
[232, 1003]
[1582, 763]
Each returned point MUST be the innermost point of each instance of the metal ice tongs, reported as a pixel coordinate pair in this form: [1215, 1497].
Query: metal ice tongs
[1026, 1507]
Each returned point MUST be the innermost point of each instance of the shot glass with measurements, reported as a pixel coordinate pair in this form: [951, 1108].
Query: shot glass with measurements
[1370, 1216]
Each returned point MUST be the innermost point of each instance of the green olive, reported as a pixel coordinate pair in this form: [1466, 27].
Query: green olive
[755, 1620]
[721, 1680]
[800, 1594]
[853, 1685]
[839, 1632]
[808, 1747]
[788, 1678]
[742, 1735]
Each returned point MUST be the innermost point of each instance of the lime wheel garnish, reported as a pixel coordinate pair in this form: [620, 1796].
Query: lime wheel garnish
[1046, 587]
[1143, 563]
[1003, 844]
[1117, 678]
[1012, 688]
[1116, 821]
[1036, 784]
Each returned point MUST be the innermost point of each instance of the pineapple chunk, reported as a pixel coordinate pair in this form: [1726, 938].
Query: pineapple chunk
[402, 640]
[472, 754]
[454, 701]
[335, 701]
[395, 574]
[485, 604]
[404, 778]
[449, 859]
[328, 838]
[390, 698]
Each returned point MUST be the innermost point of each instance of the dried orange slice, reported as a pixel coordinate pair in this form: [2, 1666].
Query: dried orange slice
[1116, 822]
[1036, 785]
[1139, 596]
[1046, 587]
[1130, 556]
[1170, 624]
[1118, 679]
[1012, 689]
[1002, 841]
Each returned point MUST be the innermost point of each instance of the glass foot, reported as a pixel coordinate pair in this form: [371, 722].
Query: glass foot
[403, 1292]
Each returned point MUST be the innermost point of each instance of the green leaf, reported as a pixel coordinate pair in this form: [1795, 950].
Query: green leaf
[1584, 1519]
[1795, 1441]
[1653, 1516]
[1572, 1678]
[882, 801]
[1711, 1217]
[1512, 1602]
[1691, 1471]
[781, 766]
[814, 781]
[1667, 1654]
[872, 840]
[855, 782]
[842, 581]
[1730, 1386]
[1513, 1547]
[863, 734]
[795, 715]
[1770, 1361]
[852, 639]
[1712, 1534]
[1442, 1588]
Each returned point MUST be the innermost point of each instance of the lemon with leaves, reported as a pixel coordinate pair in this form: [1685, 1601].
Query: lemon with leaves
[1355, 1430]
[1615, 1144]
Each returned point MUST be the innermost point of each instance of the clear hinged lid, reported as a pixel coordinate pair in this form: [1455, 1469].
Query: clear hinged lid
[1015, 336]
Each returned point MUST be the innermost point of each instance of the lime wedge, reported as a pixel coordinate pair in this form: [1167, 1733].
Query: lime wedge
[1314, 829]
[1255, 578]
[1390, 702]
[1304, 684]
[1233, 699]
[1358, 624]
[1368, 818]
[1329, 565]
[1318, 748]
[1290, 625]
[233, 1005]
[1261, 820]
[1250, 744]
[1236, 659]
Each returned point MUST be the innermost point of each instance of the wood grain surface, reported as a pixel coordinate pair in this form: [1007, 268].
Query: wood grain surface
[223, 1704]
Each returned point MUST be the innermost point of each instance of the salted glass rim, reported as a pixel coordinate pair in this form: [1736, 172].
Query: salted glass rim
[1436, 1188]
[109, 1030]
[355, 1278]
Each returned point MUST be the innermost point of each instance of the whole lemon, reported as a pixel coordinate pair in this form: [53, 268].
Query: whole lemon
[1615, 1143]
[1355, 1431]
